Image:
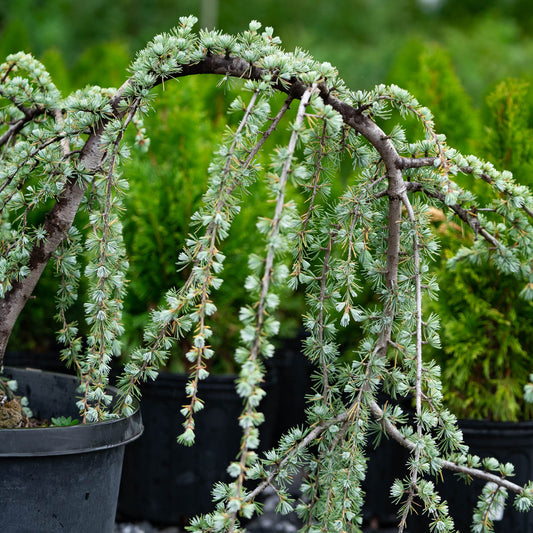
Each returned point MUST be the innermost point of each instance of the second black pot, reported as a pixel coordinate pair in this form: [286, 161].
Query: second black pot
[167, 483]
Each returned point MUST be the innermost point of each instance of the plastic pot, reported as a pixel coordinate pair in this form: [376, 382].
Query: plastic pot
[167, 483]
[293, 371]
[60, 478]
[49, 360]
[508, 442]
[385, 464]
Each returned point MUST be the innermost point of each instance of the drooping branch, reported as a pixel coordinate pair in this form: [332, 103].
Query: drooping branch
[488, 179]
[418, 384]
[18, 125]
[211, 232]
[396, 435]
[406, 163]
[392, 431]
[105, 280]
[266, 281]
[321, 318]
[56, 226]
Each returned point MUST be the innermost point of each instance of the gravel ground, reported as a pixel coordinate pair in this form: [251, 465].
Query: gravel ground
[268, 522]
[280, 527]
[145, 527]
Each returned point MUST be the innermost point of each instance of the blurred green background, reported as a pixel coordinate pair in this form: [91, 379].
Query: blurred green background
[486, 40]
[469, 61]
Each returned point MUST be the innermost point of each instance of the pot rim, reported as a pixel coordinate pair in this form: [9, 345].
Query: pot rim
[82, 438]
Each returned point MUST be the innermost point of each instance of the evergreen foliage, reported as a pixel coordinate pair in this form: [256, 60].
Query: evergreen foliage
[486, 327]
[66, 153]
[508, 140]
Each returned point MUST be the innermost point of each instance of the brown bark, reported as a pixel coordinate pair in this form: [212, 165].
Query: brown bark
[57, 224]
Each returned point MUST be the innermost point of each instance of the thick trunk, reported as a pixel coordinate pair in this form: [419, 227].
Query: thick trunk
[57, 224]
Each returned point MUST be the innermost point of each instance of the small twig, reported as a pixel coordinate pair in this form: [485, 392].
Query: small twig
[418, 385]
[320, 321]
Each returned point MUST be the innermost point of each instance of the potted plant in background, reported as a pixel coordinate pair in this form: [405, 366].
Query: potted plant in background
[486, 328]
[376, 233]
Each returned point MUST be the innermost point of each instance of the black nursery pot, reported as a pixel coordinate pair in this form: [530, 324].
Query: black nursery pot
[508, 442]
[62, 478]
[49, 360]
[386, 462]
[168, 483]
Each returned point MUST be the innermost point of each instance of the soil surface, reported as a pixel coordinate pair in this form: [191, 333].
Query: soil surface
[11, 414]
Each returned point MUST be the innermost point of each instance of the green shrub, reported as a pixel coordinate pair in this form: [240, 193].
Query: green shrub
[486, 328]
[508, 139]
[377, 230]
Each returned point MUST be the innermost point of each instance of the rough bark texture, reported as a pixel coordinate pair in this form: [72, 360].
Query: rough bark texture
[57, 224]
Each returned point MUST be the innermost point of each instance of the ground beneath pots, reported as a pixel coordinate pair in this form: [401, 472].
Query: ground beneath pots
[268, 522]
[282, 526]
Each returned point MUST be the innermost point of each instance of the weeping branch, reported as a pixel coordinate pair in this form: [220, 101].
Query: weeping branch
[265, 285]
[418, 385]
[397, 435]
[358, 118]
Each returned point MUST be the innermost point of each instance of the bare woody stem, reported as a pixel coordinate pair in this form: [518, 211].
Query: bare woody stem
[395, 434]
